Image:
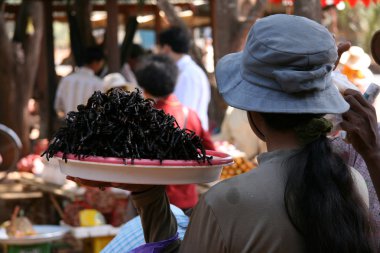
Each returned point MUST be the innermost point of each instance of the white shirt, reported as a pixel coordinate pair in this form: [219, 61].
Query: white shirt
[193, 89]
[76, 89]
[128, 74]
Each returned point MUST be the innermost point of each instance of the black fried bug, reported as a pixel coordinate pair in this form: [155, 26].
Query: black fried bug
[123, 124]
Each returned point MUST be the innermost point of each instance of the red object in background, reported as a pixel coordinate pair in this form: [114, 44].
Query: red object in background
[335, 2]
[115, 215]
[29, 162]
[103, 201]
[26, 164]
[366, 2]
[352, 2]
[325, 3]
[119, 214]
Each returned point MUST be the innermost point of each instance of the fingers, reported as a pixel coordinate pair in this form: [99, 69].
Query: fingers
[102, 185]
[358, 103]
[342, 47]
[350, 116]
[348, 127]
[132, 187]
[71, 178]
[357, 95]
[354, 105]
[90, 183]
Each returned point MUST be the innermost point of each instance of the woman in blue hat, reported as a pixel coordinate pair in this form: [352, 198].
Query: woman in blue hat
[302, 197]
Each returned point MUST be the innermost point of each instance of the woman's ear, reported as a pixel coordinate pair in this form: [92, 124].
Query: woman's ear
[257, 124]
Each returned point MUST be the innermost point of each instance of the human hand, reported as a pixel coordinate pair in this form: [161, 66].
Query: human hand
[342, 47]
[360, 123]
[102, 185]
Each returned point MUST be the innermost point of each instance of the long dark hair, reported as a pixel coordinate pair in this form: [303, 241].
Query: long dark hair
[320, 197]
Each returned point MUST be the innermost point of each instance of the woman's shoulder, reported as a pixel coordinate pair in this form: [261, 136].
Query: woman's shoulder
[260, 186]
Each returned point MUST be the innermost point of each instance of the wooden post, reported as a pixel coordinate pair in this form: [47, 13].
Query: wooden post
[24, 70]
[47, 78]
[52, 75]
[157, 22]
[224, 15]
[83, 10]
[41, 92]
[112, 47]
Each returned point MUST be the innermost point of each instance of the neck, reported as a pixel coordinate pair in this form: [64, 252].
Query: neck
[281, 140]
[156, 99]
[176, 57]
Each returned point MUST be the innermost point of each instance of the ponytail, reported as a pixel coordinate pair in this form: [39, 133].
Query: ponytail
[320, 196]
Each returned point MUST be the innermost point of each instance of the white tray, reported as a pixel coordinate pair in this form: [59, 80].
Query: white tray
[145, 171]
[45, 233]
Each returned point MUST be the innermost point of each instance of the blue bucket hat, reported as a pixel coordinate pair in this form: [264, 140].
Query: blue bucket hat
[285, 67]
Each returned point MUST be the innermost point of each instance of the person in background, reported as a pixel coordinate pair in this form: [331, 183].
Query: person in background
[361, 149]
[77, 87]
[129, 67]
[157, 75]
[354, 159]
[236, 130]
[355, 63]
[131, 234]
[193, 87]
[116, 80]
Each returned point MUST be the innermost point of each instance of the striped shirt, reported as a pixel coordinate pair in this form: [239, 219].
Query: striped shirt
[75, 89]
[131, 235]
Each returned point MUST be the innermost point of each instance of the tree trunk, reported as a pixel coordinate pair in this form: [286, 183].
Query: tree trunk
[112, 47]
[18, 69]
[7, 83]
[46, 82]
[79, 19]
[229, 35]
[224, 23]
[311, 9]
[83, 9]
[241, 31]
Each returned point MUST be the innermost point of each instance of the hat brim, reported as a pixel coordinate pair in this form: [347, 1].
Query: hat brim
[244, 95]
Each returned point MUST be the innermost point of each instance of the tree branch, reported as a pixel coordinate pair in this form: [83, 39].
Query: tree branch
[256, 12]
[6, 79]
[33, 44]
[170, 13]
[5, 43]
